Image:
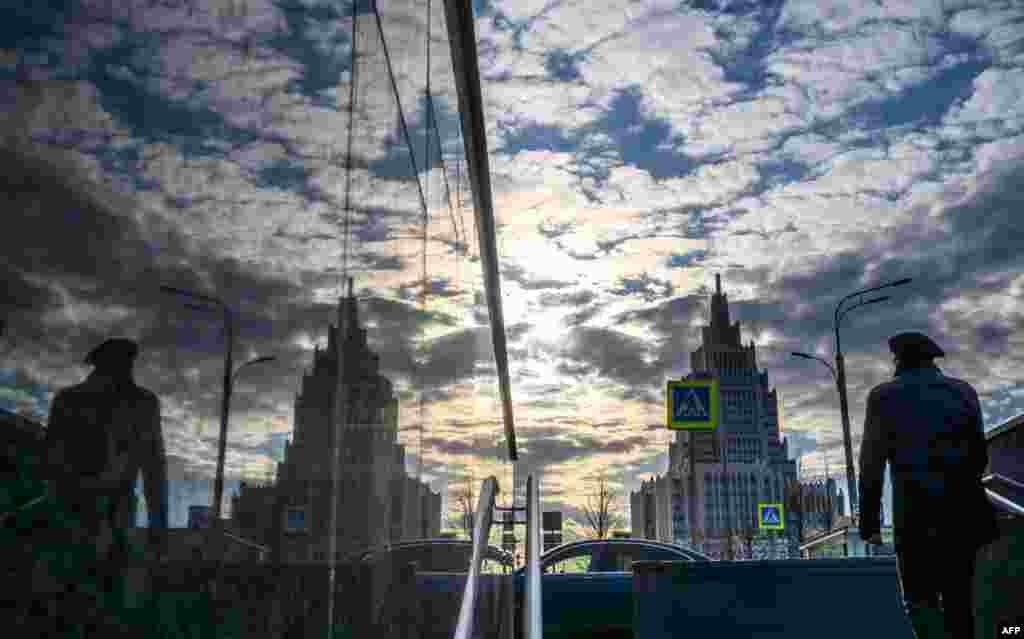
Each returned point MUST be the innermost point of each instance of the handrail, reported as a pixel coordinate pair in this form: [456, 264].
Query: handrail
[1008, 504]
[246, 542]
[997, 477]
[11, 513]
[481, 533]
[1002, 500]
[532, 609]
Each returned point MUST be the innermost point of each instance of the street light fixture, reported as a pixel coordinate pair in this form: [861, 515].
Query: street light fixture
[218, 484]
[820, 359]
[253, 361]
[851, 483]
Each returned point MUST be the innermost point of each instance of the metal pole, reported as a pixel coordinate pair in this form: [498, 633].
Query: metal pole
[691, 497]
[225, 409]
[851, 479]
[533, 604]
[841, 381]
[725, 482]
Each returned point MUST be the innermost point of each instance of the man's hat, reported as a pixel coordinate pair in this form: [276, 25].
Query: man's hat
[117, 349]
[914, 346]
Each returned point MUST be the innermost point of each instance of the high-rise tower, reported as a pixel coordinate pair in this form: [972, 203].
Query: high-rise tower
[746, 459]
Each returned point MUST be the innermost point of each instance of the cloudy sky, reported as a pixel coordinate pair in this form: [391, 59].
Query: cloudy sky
[801, 149]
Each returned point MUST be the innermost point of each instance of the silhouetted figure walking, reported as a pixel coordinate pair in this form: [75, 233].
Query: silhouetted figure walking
[929, 428]
[101, 433]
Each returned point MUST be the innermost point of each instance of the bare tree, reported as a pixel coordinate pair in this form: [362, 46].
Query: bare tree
[697, 538]
[747, 533]
[600, 512]
[465, 508]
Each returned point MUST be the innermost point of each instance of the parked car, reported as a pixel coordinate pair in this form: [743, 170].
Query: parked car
[587, 586]
[440, 555]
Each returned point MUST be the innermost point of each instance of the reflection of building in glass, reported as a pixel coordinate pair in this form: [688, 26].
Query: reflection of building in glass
[756, 466]
[377, 502]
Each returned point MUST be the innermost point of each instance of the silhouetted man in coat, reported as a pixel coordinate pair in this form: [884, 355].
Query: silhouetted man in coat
[929, 428]
[101, 433]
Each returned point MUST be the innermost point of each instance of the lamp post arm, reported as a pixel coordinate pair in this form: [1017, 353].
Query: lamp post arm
[258, 360]
[868, 290]
[830, 368]
[198, 296]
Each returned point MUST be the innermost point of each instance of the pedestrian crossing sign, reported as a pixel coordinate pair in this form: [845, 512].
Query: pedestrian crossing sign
[692, 404]
[769, 517]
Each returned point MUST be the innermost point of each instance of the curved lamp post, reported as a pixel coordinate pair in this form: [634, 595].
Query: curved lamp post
[841, 382]
[218, 485]
[834, 377]
[229, 378]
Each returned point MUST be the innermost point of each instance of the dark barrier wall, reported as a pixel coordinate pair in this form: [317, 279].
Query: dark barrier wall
[789, 599]
[999, 578]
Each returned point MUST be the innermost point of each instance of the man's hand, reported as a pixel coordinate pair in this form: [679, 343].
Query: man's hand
[875, 539]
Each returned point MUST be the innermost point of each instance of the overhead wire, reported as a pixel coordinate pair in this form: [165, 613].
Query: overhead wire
[424, 283]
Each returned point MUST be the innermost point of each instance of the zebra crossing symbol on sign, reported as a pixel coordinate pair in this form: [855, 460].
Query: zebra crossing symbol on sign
[691, 407]
[771, 516]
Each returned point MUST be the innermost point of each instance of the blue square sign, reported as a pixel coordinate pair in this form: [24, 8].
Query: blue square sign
[693, 404]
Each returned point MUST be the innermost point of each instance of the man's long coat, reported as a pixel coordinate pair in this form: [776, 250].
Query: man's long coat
[127, 417]
[929, 428]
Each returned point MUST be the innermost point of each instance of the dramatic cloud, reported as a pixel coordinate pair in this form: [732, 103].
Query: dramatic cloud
[802, 149]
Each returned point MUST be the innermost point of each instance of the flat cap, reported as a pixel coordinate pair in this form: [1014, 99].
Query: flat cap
[914, 346]
[117, 349]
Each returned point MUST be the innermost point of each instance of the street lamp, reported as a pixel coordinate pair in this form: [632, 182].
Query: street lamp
[820, 359]
[218, 484]
[836, 379]
[223, 442]
[841, 382]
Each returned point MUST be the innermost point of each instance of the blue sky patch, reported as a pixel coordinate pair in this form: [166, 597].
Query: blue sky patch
[27, 25]
[686, 259]
[561, 65]
[637, 137]
[922, 104]
[323, 60]
[282, 174]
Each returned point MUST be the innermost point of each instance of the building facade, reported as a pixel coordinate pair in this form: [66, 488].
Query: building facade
[378, 503]
[716, 480]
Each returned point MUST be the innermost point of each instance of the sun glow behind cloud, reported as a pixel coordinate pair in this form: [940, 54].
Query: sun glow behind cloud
[803, 149]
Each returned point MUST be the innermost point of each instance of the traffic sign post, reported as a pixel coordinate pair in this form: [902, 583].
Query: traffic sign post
[692, 404]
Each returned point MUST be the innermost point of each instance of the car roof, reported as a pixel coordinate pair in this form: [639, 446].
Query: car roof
[493, 552]
[627, 541]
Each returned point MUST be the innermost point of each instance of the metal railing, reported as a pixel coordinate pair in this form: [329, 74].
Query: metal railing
[263, 550]
[481, 533]
[30, 503]
[532, 611]
[997, 477]
[1002, 500]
